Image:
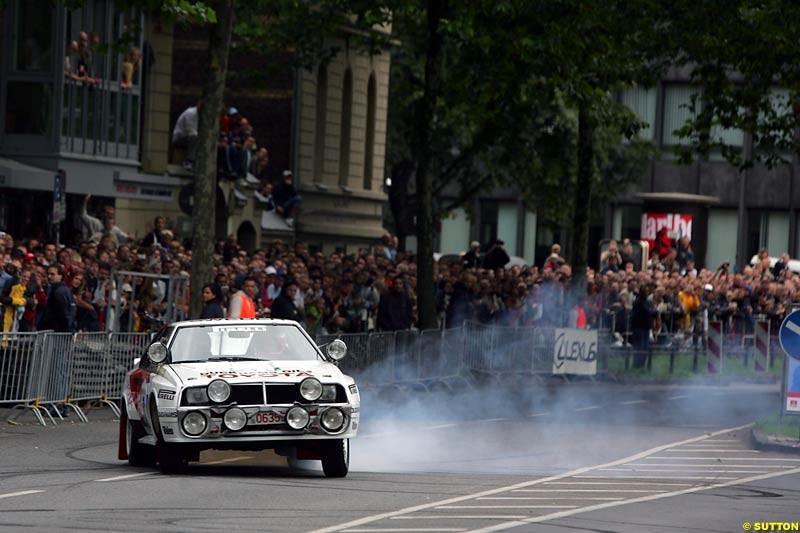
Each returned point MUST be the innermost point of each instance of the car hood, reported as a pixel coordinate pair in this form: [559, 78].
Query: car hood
[249, 371]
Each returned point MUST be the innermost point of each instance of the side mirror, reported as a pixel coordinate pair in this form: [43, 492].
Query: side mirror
[157, 352]
[336, 349]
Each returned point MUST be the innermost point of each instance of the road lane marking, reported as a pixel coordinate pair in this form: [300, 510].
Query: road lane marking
[129, 476]
[737, 458]
[459, 517]
[494, 420]
[690, 470]
[596, 507]
[22, 493]
[615, 483]
[699, 478]
[720, 440]
[733, 443]
[229, 460]
[633, 402]
[507, 507]
[716, 465]
[711, 450]
[441, 426]
[396, 530]
[591, 407]
[408, 510]
[534, 415]
[679, 397]
[549, 498]
[634, 491]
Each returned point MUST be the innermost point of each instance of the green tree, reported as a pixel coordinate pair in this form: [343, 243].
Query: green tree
[745, 67]
[515, 92]
[205, 188]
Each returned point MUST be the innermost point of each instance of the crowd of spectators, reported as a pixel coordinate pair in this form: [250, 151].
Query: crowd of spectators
[375, 288]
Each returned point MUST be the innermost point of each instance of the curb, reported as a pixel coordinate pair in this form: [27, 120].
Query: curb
[762, 441]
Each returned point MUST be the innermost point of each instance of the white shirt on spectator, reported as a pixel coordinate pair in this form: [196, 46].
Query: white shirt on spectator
[187, 124]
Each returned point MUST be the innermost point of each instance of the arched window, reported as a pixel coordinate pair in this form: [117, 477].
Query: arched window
[344, 137]
[369, 139]
[321, 120]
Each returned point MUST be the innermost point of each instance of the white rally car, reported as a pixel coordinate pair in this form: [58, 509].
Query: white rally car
[238, 385]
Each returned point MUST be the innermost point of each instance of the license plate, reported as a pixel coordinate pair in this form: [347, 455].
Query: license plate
[265, 418]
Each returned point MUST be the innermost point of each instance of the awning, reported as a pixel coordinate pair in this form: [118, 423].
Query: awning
[21, 176]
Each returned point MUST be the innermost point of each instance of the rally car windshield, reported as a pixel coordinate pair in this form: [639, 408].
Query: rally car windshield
[241, 343]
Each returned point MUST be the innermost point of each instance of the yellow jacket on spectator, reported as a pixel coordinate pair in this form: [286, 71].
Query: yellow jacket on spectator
[17, 296]
[691, 303]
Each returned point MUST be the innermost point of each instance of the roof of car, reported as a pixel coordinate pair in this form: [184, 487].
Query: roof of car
[237, 321]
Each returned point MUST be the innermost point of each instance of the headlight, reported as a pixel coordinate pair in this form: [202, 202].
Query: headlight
[297, 418]
[311, 389]
[235, 419]
[328, 393]
[196, 396]
[219, 391]
[194, 423]
[332, 419]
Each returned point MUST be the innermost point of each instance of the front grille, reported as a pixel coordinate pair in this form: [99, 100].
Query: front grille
[247, 394]
[253, 394]
[283, 394]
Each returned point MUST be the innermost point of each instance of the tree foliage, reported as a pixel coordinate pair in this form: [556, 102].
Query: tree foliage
[742, 57]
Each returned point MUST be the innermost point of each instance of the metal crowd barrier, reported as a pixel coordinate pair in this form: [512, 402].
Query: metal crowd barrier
[47, 372]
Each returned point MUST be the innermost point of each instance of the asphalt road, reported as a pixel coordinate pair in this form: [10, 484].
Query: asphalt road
[577, 457]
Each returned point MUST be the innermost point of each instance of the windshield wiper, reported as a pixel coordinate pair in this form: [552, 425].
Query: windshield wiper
[233, 358]
[188, 361]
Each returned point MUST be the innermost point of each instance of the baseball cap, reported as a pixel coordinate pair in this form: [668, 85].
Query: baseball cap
[233, 111]
[287, 173]
[708, 287]
[281, 272]
[270, 270]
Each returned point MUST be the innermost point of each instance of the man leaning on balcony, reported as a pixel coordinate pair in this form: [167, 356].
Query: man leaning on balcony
[184, 135]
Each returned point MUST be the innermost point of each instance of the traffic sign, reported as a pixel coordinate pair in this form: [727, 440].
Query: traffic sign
[789, 335]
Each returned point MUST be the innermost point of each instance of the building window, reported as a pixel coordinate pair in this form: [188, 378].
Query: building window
[369, 143]
[320, 121]
[102, 69]
[344, 134]
[677, 99]
[34, 37]
[31, 111]
[643, 103]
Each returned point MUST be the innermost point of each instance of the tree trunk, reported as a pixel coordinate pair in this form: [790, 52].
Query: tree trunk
[579, 250]
[205, 186]
[424, 126]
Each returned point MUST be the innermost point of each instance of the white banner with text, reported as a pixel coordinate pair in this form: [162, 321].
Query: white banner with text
[575, 352]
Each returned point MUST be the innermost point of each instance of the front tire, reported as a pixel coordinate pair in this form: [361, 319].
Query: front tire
[335, 457]
[138, 454]
[171, 459]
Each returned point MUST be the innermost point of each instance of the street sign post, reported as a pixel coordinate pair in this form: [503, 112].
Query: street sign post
[789, 337]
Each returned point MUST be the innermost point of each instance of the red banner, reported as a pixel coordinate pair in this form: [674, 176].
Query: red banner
[677, 226]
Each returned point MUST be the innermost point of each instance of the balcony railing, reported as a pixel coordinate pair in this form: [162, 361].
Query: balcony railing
[101, 120]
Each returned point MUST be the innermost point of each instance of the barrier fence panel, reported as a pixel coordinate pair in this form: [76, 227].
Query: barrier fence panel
[379, 368]
[20, 368]
[57, 351]
[122, 349]
[89, 354]
[477, 347]
[407, 364]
